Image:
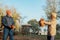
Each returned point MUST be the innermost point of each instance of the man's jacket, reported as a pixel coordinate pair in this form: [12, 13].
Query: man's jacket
[7, 21]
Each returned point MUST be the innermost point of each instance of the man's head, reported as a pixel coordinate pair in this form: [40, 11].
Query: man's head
[8, 12]
[53, 15]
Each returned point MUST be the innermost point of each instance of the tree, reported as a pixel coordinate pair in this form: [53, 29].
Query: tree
[15, 14]
[58, 8]
[16, 18]
[35, 25]
[58, 27]
[51, 7]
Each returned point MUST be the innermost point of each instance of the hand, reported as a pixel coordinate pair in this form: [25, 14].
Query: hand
[13, 27]
[9, 26]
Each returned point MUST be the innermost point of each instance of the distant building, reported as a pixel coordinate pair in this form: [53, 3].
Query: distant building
[26, 28]
[42, 33]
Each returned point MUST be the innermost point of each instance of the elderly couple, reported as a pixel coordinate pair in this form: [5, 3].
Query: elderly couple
[8, 23]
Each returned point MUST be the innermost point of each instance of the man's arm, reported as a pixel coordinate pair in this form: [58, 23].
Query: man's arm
[4, 22]
[13, 24]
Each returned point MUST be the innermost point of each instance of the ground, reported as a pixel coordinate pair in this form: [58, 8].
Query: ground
[31, 37]
[25, 38]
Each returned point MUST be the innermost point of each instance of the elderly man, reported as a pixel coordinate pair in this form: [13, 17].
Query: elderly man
[52, 27]
[8, 24]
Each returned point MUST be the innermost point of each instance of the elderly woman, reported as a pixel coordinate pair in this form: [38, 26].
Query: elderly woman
[52, 27]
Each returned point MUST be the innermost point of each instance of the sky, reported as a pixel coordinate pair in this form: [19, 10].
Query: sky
[30, 9]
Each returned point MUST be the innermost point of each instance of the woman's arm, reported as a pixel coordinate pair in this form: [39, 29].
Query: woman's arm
[47, 23]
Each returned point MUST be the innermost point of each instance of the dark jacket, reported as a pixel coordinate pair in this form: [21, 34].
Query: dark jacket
[7, 21]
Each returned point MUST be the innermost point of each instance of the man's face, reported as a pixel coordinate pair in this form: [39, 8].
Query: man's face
[9, 13]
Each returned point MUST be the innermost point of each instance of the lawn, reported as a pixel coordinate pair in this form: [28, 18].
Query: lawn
[32, 37]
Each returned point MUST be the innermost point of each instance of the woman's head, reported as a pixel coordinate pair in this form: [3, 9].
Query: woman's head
[41, 22]
[53, 15]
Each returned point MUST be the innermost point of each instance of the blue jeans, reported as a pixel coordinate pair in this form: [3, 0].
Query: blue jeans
[8, 32]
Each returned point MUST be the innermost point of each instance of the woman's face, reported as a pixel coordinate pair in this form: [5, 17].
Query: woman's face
[52, 17]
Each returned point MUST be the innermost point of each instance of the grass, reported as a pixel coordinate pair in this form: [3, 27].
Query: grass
[57, 37]
[39, 37]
